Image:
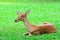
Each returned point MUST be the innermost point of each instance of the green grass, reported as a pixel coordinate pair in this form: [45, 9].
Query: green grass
[43, 12]
[29, 1]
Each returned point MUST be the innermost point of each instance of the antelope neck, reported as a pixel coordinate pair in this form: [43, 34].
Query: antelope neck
[28, 25]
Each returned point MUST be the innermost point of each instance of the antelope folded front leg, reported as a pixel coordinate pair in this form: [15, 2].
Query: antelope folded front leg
[26, 33]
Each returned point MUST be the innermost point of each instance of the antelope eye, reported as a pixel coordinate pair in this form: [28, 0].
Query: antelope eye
[22, 16]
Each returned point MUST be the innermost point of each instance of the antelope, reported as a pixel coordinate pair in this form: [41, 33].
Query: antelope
[44, 28]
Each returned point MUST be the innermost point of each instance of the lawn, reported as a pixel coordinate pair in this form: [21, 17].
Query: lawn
[29, 1]
[39, 12]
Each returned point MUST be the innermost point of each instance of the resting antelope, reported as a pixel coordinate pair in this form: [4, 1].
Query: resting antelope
[45, 28]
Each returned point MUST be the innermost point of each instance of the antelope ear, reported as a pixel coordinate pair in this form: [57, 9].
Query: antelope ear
[18, 12]
[27, 11]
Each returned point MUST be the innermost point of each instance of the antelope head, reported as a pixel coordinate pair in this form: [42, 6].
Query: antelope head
[21, 16]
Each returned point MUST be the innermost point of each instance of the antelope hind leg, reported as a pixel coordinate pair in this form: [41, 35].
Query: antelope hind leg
[30, 34]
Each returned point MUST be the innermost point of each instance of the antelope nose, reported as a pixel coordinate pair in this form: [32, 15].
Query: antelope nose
[15, 20]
